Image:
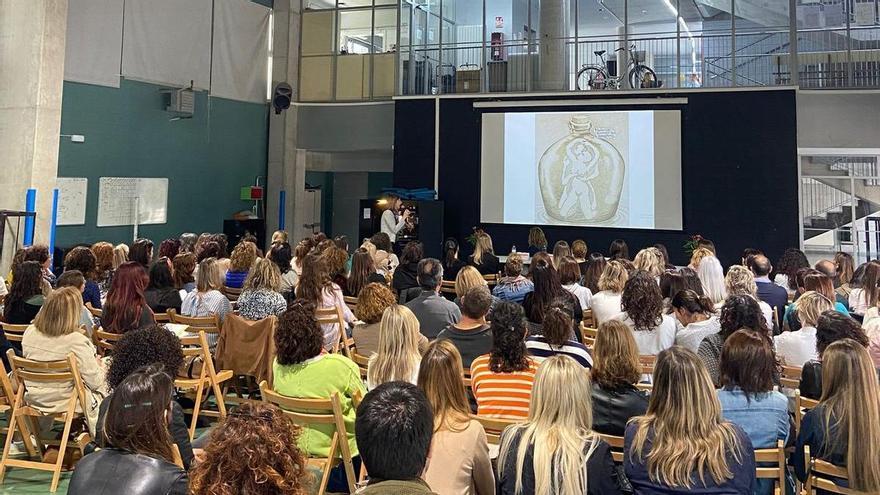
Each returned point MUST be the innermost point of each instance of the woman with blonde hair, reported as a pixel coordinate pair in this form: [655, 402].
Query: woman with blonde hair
[844, 429]
[616, 370]
[698, 255]
[206, 299]
[467, 277]
[261, 297]
[537, 241]
[711, 277]
[556, 450]
[740, 281]
[682, 443]
[560, 250]
[606, 302]
[650, 260]
[120, 255]
[460, 461]
[397, 357]
[54, 334]
[484, 258]
[798, 347]
[240, 262]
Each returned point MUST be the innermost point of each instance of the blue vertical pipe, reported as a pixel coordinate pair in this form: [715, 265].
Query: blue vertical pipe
[282, 198]
[54, 222]
[30, 204]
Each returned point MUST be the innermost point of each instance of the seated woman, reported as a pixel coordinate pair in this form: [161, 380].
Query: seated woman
[697, 314]
[281, 255]
[484, 258]
[711, 276]
[502, 380]
[316, 288]
[260, 297]
[126, 305]
[363, 272]
[161, 294]
[207, 300]
[83, 259]
[740, 281]
[831, 327]
[25, 296]
[54, 334]
[560, 250]
[579, 253]
[867, 295]
[512, 286]
[557, 446]
[606, 303]
[138, 458]
[747, 395]
[844, 429]
[184, 265]
[406, 275]
[615, 372]
[738, 312]
[467, 277]
[302, 369]
[138, 348]
[372, 302]
[592, 272]
[336, 260]
[537, 241]
[451, 263]
[240, 262]
[556, 338]
[397, 358]
[682, 442]
[650, 260]
[141, 252]
[73, 278]
[459, 449]
[549, 292]
[813, 280]
[268, 439]
[618, 250]
[570, 276]
[642, 308]
[103, 252]
[798, 347]
[40, 254]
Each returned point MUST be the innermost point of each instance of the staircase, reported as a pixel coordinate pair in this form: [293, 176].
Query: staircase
[826, 202]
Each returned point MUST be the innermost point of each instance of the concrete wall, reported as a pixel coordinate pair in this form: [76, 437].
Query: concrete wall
[838, 119]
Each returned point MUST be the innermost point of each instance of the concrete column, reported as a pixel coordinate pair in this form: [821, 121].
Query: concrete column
[286, 167]
[553, 62]
[32, 38]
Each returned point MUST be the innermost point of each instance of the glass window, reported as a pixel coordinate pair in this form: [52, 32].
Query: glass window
[762, 44]
[355, 31]
[318, 4]
[653, 29]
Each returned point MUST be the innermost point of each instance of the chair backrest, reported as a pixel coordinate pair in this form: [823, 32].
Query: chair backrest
[351, 302]
[207, 324]
[803, 405]
[790, 377]
[494, 427]
[62, 372]
[447, 287]
[97, 313]
[162, 317]
[105, 341]
[333, 316]
[616, 444]
[589, 335]
[588, 319]
[362, 362]
[231, 293]
[821, 475]
[14, 333]
[647, 362]
[771, 464]
[491, 279]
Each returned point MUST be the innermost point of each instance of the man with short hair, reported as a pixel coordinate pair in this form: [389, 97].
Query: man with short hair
[433, 311]
[393, 430]
[472, 335]
[774, 295]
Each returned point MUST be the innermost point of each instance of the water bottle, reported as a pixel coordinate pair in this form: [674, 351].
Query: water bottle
[513, 249]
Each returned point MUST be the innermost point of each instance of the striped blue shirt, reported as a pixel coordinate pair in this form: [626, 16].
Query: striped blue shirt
[540, 349]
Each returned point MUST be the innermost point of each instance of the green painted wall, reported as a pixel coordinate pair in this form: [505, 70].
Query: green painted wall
[207, 159]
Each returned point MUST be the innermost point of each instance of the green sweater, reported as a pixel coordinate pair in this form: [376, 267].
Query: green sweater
[318, 378]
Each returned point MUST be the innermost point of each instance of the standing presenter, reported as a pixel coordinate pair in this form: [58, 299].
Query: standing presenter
[393, 221]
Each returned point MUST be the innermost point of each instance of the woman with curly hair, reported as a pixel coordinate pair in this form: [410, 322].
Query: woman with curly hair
[740, 281]
[103, 252]
[642, 307]
[371, 304]
[169, 248]
[155, 346]
[243, 257]
[316, 288]
[792, 260]
[738, 312]
[831, 327]
[40, 254]
[184, 264]
[537, 241]
[26, 294]
[267, 438]
[363, 272]
[261, 297]
[302, 369]
[502, 380]
[126, 307]
[650, 260]
[336, 260]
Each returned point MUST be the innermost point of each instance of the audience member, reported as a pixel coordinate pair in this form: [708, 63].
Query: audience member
[141, 252]
[643, 312]
[607, 302]
[792, 260]
[697, 257]
[593, 272]
[560, 250]
[502, 379]
[336, 261]
[169, 248]
[459, 450]
[280, 237]
[120, 255]
[451, 263]
[126, 306]
[83, 259]
[844, 429]
[155, 346]
[161, 294]
[549, 292]
[467, 278]
[397, 357]
[300, 253]
[556, 338]
[769, 292]
[616, 370]
[712, 279]
[281, 255]
[748, 254]
[385, 257]
[665, 253]
[738, 312]
[618, 250]
[363, 272]
[433, 311]
[26, 294]
[674, 281]
[73, 278]
[302, 369]
[797, 347]
[187, 242]
[103, 252]
[316, 288]
[556, 450]
[570, 277]
[513, 286]
[406, 275]
[844, 265]
[372, 302]
[682, 442]
[740, 281]
[471, 335]
[40, 254]
[138, 459]
[697, 315]
[52, 337]
[206, 299]
[264, 436]
[868, 295]
[484, 258]
[650, 260]
[240, 263]
[831, 327]
[395, 425]
[579, 253]
[537, 241]
[261, 297]
[184, 264]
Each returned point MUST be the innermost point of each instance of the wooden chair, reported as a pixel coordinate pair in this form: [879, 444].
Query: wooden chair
[494, 427]
[491, 280]
[616, 444]
[231, 293]
[333, 316]
[771, 464]
[647, 362]
[646, 387]
[351, 302]
[6, 401]
[776, 318]
[791, 377]
[14, 333]
[821, 474]
[194, 347]
[162, 317]
[59, 373]
[447, 287]
[589, 335]
[803, 405]
[362, 362]
[209, 324]
[305, 412]
[589, 320]
[97, 313]
[105, 341]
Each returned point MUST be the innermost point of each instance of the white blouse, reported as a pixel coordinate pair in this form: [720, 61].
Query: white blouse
[605, 304]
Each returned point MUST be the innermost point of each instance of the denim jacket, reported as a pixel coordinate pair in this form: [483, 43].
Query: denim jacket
[513, 289]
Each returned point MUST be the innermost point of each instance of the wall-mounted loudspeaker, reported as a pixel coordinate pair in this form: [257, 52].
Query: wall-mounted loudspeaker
[281, 97]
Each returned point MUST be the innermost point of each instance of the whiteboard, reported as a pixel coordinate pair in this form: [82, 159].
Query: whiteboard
[72, 193]
[120, 197]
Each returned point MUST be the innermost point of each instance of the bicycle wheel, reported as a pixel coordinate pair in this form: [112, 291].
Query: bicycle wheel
[642, 76]
[591, 77]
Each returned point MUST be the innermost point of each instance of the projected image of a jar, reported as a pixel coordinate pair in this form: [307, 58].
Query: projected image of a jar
[581, 175]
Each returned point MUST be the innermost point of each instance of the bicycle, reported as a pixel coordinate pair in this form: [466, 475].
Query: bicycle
[595, 77]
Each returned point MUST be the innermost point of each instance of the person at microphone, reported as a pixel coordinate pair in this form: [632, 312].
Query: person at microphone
[393, 221]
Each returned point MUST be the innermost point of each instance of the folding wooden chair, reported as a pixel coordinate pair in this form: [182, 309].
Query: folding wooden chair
[96, 313]
[208, 324]
[646, 387]
[494, 427]
[589, 334]
[306, 412]
[162, 317]
[14, 333]
[64, 373]
[105, 341]
[770, 464]
[588, 319]
[351, 302]
[616, 444]
[6, 401]
[208, 378]
[362, 362]
[821, 475]
[647, 362]
[790, 377]
[803, 405]
[447, 288]
[333, 316]
[491, 280]
[231, 293]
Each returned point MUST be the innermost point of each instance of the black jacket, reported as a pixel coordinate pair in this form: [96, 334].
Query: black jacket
[113, 471]
[612, 408]
[161, 300]
[489, 264]
[405, 277]
[811, 380]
